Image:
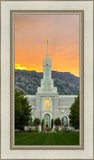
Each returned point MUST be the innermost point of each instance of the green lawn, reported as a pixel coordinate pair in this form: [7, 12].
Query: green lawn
[59, 138]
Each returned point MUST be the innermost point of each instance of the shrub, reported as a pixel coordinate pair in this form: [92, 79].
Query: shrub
[57, 122]
[29, 130]
[52, 122]
[57, 129]
[48, 129]
[36, 129]
[42, 123]
[36, 122]
[42, 128]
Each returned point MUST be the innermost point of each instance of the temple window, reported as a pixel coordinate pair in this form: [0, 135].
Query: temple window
[46, 104]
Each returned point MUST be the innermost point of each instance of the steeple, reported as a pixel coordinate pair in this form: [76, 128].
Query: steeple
[47, 48]
[47, 84]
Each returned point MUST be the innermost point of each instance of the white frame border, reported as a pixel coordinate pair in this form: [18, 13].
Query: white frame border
[87, 6]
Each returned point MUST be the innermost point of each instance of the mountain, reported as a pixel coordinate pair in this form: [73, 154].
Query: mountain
[28, 81]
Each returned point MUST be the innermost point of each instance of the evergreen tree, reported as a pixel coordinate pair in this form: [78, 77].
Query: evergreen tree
[22, 110]
[74, 113]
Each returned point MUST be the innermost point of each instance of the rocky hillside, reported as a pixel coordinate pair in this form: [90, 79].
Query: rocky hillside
[28, 81]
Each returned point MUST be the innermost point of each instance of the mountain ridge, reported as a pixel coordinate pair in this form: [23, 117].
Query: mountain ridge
[28, 81]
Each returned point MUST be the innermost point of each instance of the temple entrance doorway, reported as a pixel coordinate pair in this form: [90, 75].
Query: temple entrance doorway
[46, 120]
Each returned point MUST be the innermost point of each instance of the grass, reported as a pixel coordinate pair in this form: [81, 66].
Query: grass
[58, 138]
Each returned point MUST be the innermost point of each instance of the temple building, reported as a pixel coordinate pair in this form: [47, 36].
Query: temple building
[47, 104]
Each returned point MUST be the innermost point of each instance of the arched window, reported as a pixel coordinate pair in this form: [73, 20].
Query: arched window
[64, 121]
[46, 104]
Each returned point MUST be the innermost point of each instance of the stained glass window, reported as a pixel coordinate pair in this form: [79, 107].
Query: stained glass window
[47, 104]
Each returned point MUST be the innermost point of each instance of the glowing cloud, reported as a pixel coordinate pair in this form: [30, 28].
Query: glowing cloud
[31, 33]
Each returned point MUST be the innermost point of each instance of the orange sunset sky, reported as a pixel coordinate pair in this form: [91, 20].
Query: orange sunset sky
[31, 32]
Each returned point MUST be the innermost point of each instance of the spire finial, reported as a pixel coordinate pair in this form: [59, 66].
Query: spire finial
[47, 39]
[47, 48]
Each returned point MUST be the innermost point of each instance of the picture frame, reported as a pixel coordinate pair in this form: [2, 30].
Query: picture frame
[12, 111]
[85, 150]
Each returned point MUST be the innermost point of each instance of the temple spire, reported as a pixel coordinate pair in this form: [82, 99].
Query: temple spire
[47, 48]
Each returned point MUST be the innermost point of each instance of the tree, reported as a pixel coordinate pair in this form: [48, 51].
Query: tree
[57, 122]
[36, 122]
[74, 113]
[52, 122]
[22, 110]
[42, 123]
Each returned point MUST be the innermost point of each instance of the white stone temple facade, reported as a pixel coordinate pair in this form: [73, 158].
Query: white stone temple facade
[47, 104]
